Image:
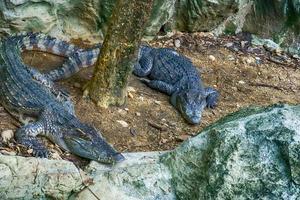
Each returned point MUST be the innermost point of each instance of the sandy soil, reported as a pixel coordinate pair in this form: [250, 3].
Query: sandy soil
[244, 76]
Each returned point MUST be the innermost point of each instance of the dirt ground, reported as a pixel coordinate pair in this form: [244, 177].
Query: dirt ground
[243, 75]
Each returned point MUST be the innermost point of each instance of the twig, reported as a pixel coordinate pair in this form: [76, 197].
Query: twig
[268, 86]
[157, 126]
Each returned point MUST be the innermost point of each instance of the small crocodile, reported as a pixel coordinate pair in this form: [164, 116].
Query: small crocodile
[166, 70]
[175, 75]
[29, 96]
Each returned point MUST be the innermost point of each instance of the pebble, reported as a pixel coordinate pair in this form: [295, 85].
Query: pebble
[243, 44]
[138, 114]
[130, 95]
[157, 102]
[177, 43]
[229, 44]
[183, 137]
[230, 58]
[123, 123]
[241, 82]
[131, 89]
[7, 135]
[211, 57]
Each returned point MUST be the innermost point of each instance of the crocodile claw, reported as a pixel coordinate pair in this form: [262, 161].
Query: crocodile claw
[40, 153]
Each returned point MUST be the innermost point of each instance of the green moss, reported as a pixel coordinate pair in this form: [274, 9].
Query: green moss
[230, 28]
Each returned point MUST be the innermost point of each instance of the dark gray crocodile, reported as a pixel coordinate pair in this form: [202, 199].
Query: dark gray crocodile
[167, 71]
[175, 75]
[29, 96]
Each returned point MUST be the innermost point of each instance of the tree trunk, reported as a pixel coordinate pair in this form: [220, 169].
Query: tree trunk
[119, 52]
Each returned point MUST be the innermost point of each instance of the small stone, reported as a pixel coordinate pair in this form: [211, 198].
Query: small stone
[130, 95]
[230, 58]
[183, 137]
[7, 135]
[131, 89]
[229, 44]
[157, 102]
[250, 60]
[163, 141]
[243, 44]
[211, 57]
[127, 109]
[123, 123]
[77, 85]
[177, 43]
[138, 114]
[122, 112]
[241, 82]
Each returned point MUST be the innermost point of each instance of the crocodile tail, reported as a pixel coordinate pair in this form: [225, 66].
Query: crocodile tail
[74, 63]
[44, 43]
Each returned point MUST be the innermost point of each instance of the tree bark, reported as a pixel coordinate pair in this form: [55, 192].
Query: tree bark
[119, 52]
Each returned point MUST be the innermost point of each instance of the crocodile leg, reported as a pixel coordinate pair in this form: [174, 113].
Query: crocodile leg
[143, 67]
[26, 136]
[211, 97]
[161, 86]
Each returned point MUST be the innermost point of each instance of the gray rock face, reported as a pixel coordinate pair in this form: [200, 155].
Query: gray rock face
[31, 178]
[71, 19]
[252, 154]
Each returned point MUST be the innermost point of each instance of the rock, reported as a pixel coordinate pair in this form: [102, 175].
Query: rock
[177, 43]
[140, 177]
[241, 157]
[183, 137]
[138, 114]
[32, 178]
[86, 19]
[131, 89]
[130, 95]
[157, 102]
[123, 123]
[212, 58]
[7, 135]
[248, 154]
[241, 82]
[229, 44]
[230, 58]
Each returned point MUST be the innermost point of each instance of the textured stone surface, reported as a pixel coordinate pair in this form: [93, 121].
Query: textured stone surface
[31, 178]
[140, 177]
[251, 154]
[203, 15]
[71, 18]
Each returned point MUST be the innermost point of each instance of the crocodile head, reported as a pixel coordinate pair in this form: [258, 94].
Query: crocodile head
[190, 103]
[87, 142]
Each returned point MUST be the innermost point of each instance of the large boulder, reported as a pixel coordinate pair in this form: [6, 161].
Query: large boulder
[254, 153]
[71, 18]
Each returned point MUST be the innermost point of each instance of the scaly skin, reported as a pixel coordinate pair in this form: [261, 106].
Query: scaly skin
[25, 93]
[175, 75]
[167, 71]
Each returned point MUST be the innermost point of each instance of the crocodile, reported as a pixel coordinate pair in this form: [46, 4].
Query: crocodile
[35, 101]
[168, 72]
[165, 70]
